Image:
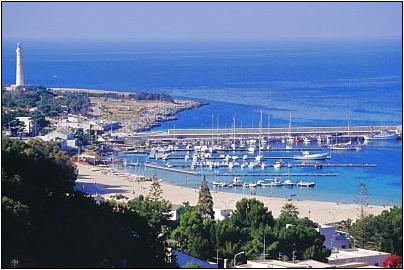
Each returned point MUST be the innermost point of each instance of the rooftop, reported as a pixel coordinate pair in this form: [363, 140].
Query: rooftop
[354, 253]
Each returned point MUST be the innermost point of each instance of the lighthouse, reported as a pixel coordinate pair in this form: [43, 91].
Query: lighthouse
[19, 75]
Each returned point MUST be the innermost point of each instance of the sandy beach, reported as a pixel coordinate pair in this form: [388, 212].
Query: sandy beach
[92, 182]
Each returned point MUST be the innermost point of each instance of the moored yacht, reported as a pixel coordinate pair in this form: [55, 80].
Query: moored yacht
[382, 135]
[305, 184]
[307, 156]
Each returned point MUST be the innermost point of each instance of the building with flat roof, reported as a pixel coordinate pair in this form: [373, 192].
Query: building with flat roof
[282, 264]
[357, 255]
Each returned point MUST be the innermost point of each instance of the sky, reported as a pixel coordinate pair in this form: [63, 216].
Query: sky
[200, 21]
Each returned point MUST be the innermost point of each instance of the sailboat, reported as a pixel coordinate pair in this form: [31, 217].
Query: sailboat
[290, 139]
[259, 157]
[343, 146]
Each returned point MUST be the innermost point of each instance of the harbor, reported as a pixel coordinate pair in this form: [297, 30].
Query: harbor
[276, 165]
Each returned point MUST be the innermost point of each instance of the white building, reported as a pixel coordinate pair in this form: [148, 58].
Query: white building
[334, 239]
[281, 264]
[221, 214]
[175, 212]
[357, 255]
[28, 124]
[58, 134]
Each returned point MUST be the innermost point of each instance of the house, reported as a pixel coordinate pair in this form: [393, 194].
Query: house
[28, 124]
[64, 137]
[281, 264]
[221, 214]
[58, 135]
[175, 212]
[357, 255]
[334, 239]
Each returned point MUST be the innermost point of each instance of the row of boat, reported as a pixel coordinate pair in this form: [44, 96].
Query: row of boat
[267, 182]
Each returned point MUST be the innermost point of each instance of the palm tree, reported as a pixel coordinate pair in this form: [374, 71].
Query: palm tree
[289, 210]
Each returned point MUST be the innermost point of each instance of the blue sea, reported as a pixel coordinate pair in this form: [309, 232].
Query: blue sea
[318, 82]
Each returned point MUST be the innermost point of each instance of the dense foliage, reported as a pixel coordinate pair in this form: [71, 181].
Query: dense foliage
[38, 103]
[383, 232]
[245, 230]
[46, 101]
[205, 201]
[46, 224]
[38, 164]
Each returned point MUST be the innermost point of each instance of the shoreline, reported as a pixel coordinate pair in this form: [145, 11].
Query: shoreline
[319, 211]
[135, 115]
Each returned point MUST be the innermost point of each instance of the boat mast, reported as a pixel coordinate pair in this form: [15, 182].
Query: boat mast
[234, 132]
[260, 131]
[349, 127]
[268, 127]
[217, 128]
[290, 126]
[212, 130]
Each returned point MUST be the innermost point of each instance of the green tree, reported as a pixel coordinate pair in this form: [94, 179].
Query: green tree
[245, 230]
[362, 230]
[289, 210]
[389, 231]
[155, 212]
[155, 190]
[251, 213]
[36, 159]
[48, 227]
[193, 234]
[205, 201]
[382, 232]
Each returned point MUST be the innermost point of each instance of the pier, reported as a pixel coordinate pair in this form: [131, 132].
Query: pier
[155, 166]
[250, 133]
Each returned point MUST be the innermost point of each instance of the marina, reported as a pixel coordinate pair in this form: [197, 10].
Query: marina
[310, 167]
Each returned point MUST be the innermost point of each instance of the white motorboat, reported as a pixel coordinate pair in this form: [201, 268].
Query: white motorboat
[260, 182]
[243, 165]
[234, 157]
[305, 184]
[276, 182]
[252, 185]
[246, 185]
[288, 183]
[263, 165]
[289, 146]
[251, 165]
[306, 140]
[278, 165]
[237, 182]
[219, 184]
[382, 135]
[245, 157]
[307, 156]
[259, 158]
[251, 149]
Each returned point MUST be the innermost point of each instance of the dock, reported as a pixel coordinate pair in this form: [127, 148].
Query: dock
[255, 133]
[279, 174]
[155, 166]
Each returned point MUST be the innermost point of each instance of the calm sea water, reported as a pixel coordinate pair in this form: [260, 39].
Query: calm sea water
[318, 83]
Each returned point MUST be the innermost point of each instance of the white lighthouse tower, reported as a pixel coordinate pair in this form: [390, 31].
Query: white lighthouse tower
[19, 75]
